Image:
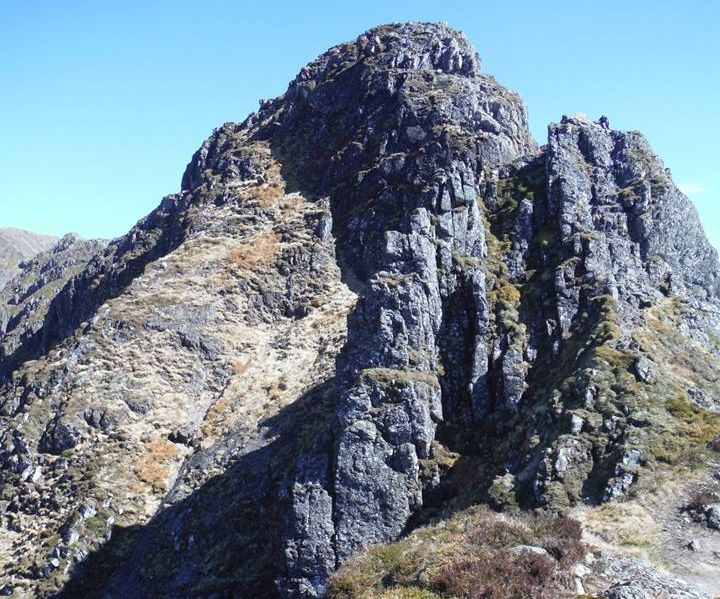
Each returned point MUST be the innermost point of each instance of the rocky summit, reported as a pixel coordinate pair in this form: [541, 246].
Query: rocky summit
[381, 344]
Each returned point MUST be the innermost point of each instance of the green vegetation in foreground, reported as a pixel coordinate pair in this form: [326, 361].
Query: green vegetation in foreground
[474, 553]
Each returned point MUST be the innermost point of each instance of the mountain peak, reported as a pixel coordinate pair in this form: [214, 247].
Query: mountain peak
[374, 304]
[408, 46]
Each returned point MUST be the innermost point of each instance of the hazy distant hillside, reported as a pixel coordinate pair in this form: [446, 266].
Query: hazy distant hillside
[17, 245]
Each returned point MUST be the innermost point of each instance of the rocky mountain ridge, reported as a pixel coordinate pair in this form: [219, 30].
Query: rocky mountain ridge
[374, 304]
[27, 299]
[16, 246]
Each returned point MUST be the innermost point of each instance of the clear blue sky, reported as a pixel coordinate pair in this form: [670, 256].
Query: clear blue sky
[103, 103]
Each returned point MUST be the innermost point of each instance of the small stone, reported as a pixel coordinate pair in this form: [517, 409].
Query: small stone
[580, 570]
[529, 549]
[576, 424]
[87, 511]
[60, 464]
[643, 370]
[712, 514]
[36, 475]
[415, 133]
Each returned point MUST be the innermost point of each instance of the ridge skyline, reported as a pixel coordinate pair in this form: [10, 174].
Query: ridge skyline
[99, 200]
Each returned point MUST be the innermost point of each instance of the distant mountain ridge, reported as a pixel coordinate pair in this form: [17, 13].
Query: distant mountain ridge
[17, 245]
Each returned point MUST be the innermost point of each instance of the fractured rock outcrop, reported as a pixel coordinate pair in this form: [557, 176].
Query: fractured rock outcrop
[376, 276]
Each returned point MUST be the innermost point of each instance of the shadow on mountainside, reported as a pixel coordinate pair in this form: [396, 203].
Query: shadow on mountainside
[223, 539]
[105, 277]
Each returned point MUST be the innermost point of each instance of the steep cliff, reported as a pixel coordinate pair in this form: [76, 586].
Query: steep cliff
[374, 304]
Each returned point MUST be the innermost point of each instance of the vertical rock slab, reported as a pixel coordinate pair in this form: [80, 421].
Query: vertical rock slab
[396, 128]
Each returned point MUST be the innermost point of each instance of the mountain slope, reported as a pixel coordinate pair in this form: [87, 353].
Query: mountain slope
[26, 301]
[16, 246]
[374, 304]
[243, 316]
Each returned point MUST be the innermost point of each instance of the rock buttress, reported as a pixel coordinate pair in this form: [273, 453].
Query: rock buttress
[397, 128]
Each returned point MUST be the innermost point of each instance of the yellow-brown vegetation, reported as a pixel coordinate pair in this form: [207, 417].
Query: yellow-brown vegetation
[258, 252]
[153, 467]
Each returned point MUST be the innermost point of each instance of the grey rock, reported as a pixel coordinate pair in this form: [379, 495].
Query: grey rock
[643, 370]
[712, 514]
[70, 530]
[576, 424]
[487, 272]
[18, 246]
[704, 400]
[519, 549]
[29, 296]
[59, 437]
[416, 272]
[513, 377]
[309, 556]
[638, 580]
[625, 474]
[627, 590]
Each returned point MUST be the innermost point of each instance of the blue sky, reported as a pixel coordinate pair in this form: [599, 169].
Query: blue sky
[103, 103]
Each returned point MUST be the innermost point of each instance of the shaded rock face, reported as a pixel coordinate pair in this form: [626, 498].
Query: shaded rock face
[414, 124]
[173, 394]
[619, 211]
[376, 271]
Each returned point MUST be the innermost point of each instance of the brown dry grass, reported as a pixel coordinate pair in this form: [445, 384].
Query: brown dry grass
[240, 368]
[214, 415]
[218, 410]
[266, 195]
[630, 526]
[153, 467]
[327, 317]
[260, 251]
[468, 555]
[292, 203]
[273, 170]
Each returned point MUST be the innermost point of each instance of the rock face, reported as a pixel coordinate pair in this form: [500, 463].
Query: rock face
[196, 330]
[26, 302]
[418, 124]
[370, 288]
[637, 581]
[431, 340]
[16, 246]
